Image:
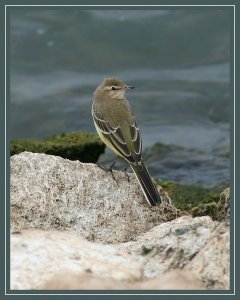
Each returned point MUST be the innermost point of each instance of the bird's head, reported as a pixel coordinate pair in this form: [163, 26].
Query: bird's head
[113, 88]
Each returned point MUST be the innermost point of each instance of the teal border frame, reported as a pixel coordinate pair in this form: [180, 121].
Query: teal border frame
[234, 7]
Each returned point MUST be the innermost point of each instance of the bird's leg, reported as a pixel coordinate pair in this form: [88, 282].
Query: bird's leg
[126, 173]
[102, 167]
[110, 169]
[113, 164]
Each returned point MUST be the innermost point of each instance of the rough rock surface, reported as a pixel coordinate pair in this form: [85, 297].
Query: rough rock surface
[52, 193]
[59, 203]
[61, 260]
[212, 264]
[197, 244]
[38, 255]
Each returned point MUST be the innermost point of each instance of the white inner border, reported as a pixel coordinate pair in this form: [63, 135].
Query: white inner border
[115, 6]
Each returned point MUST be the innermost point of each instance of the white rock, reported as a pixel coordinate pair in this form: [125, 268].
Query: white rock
[197, 244]
[52, 193]
[38, 255]
[148, 243]
[212, 263]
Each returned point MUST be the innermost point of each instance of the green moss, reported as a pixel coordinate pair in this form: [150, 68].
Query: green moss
[197, 200]
[82, 146]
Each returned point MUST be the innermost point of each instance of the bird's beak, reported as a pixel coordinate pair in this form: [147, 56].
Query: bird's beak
[129, 87]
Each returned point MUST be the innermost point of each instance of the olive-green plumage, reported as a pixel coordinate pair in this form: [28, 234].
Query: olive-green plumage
[117, 127]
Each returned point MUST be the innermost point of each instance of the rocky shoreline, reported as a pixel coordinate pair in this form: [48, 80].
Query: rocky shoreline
[74, 218]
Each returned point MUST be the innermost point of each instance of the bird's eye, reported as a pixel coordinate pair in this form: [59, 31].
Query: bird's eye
[113, 88]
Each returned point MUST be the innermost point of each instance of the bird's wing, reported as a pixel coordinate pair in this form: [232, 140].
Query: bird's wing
[113, 134]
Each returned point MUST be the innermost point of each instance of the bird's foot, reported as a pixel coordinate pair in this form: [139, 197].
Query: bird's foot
[109, 169]
[102, 167]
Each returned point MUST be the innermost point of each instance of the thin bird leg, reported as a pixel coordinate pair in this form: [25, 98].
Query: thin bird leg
[102, 167]
[110, 169]
[113, 164]
[126, 173]
[107, 170]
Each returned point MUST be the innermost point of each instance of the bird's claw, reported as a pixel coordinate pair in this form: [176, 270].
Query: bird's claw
[110, 169]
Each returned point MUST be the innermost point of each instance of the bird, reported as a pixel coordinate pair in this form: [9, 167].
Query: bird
[117, 127]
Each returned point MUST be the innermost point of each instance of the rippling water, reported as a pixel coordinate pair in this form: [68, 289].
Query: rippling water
[178, 61]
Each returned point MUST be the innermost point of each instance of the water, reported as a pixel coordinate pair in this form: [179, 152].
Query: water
[178, 61]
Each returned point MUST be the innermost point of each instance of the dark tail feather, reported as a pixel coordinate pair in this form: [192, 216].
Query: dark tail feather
[149, 189]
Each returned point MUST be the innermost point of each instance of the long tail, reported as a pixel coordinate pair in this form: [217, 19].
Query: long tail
[149, 189]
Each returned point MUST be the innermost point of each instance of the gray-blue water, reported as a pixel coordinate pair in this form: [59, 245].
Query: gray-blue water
[178, 61]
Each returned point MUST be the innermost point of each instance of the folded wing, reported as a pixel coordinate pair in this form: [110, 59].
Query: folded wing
[115, 136]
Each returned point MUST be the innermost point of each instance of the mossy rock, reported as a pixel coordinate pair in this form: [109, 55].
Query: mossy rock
[78, 145]
[196, 200]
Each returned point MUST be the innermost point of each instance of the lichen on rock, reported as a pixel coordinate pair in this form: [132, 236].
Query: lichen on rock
[195, 199]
